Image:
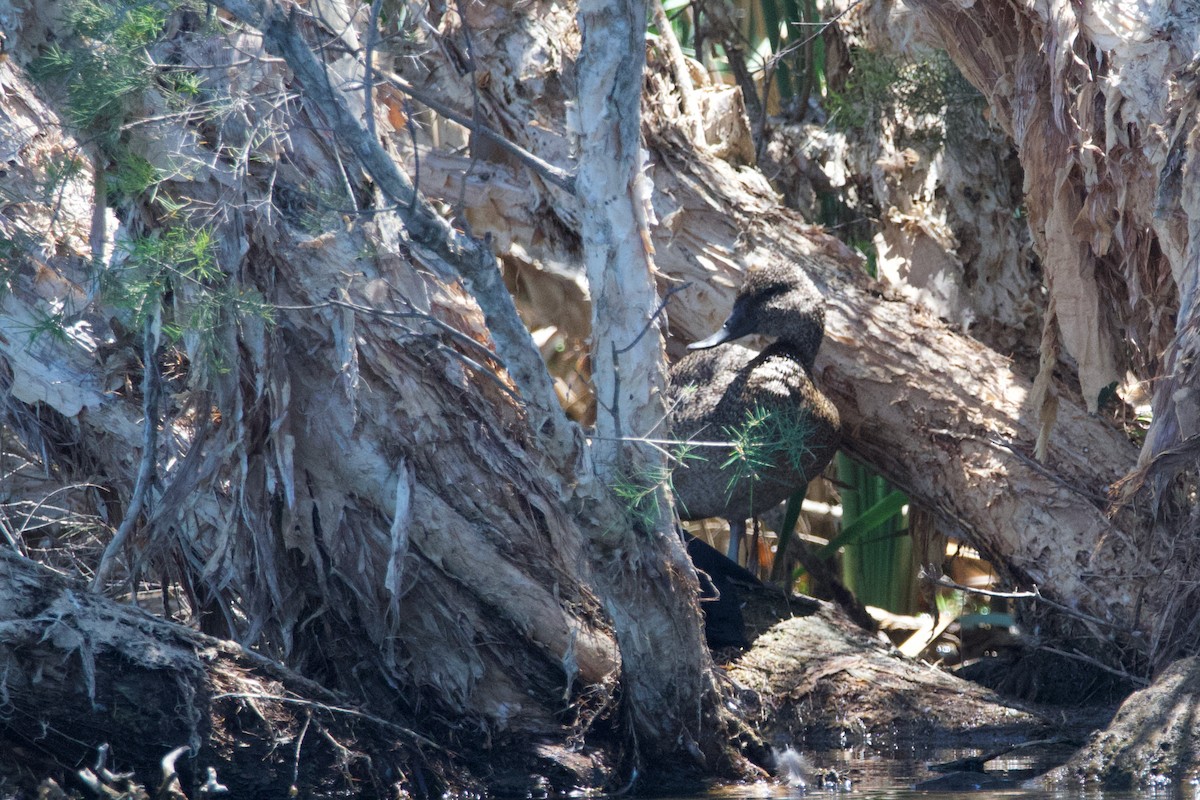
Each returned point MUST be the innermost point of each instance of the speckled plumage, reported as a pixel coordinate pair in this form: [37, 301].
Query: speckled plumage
[715, 390]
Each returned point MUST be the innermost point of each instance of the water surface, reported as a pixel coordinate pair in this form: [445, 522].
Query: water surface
[892, 775]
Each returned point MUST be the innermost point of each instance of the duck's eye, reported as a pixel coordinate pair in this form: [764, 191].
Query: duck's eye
[770, 292]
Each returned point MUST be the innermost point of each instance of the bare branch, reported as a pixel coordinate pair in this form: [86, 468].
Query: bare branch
[679, 68]
[947, 583]
[1134, 679]
[555, 175]
[369, 66]
[151, 389]
[447, 249]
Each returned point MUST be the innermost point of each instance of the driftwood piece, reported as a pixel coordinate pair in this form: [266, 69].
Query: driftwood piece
[825, 682]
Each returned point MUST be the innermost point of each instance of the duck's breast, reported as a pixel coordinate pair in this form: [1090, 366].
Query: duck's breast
[735, 394]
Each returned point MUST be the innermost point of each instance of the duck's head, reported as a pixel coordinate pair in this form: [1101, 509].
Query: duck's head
[776, 299]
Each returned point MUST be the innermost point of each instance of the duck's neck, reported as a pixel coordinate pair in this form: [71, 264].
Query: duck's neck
[787, 349]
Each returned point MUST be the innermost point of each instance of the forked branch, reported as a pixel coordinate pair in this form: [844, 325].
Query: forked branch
[451, 251]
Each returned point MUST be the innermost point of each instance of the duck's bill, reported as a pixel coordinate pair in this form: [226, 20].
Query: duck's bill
[736, 326]
[720, 337]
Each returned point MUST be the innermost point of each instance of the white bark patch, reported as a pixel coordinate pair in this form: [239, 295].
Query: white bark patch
[399, 542]
[45, 371]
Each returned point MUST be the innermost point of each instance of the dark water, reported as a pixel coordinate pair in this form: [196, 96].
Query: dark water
[893, 775]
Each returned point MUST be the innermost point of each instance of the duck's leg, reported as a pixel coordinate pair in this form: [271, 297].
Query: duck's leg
[737, 527]
[752, 547]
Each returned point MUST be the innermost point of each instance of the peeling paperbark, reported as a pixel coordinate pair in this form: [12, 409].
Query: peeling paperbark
[278, 543]
[946, 188]
[373, 505]
[615, 218]
[945, 417]
[373, 420]
[455, 254]
[1097, 100]
[628, 381]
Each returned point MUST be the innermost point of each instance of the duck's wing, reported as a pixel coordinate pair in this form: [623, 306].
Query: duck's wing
[698, 382]
[778, 388]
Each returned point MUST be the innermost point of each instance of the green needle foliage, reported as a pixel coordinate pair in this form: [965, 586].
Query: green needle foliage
[104, 69]
[103, 73]
[640, 496]
[766, 439]
[878, 84]
[177, 270]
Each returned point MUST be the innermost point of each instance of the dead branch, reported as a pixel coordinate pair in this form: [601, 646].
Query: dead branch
[450, 251]
[555, 175]
[151, 389]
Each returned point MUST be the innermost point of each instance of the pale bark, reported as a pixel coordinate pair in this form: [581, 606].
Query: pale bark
[670, 699]
[946, 418]
[943, 191]
[267, 529]
[1099, 100]
[614, 200]
[360, 494]
[834, 684]
[364, 469]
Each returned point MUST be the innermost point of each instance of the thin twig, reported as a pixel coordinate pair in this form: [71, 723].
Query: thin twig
[1002, 443]
[352, 712]
[645, 440]
[1037, 466]
[369, 66]
[658, 311]
[411, 128]
[555, 175]
[299, 745]
[1034, 594]
[773, 62]
[1120, 673]
[150, 393]
[457, 335]
[826, 24]
[27, 525]
[96, 237]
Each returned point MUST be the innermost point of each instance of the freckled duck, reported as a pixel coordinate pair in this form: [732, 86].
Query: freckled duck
[782, 431]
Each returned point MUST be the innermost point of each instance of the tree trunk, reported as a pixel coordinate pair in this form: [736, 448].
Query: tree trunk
[459, 510]
[376, 487]
[944, 417]
[1100, 105]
